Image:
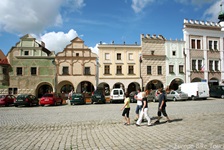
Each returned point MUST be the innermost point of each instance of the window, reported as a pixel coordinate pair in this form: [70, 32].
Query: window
[181, 69]
[19, 71]
[65, 70]
[4, 71]
[216, 65]
[118, 56]
[195, 44]
[130, 69]
[199, 64]
[106, 69]
[26, 53]
[77, 54]
[215, 45]
[87, 71]
[149, 70]
[119, 69]
[171, 69]
[12, 91]
[198, 44]
[33, 71]
[174, 53]
[211, 65]
[130, 56]
[210, 45]
[159, 70]
[193, 64]
[107, 56]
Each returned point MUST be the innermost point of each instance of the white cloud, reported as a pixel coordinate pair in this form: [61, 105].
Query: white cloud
[211, 14]
[33, 16]
[138, 5]
[195, 2]
[95, 49]
[57, 41]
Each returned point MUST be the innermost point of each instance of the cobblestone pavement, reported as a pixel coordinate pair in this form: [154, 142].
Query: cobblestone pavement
[195, 125]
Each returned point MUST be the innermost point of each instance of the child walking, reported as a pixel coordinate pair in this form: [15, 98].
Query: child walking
[126, 109]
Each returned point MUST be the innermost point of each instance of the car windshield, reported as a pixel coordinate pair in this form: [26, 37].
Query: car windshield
[179, 92]
[76, 95]
[48, 95]
[21, 96]
[2, 96]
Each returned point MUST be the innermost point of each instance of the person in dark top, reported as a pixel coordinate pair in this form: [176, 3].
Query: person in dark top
[162, 106]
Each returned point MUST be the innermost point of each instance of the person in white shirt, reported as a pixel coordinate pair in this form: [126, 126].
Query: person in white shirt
[138, 97]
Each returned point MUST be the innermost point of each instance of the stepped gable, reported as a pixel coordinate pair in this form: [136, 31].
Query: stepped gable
[201, 24]
[3, 59]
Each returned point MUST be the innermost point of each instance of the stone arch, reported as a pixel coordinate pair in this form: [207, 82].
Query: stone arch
[154, 84]
[175, 83]
[196, 80]
[43, 88]
[133, 86]
[105, 88]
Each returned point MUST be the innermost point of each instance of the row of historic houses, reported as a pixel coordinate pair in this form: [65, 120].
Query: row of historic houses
[29, 67]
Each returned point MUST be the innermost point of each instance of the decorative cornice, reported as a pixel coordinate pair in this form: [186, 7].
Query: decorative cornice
[201, 24]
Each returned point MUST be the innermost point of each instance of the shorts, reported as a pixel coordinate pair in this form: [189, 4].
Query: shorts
[138, 109]
[162, 111]
[126, 112]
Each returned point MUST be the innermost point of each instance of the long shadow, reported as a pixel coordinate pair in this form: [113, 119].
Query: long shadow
[163, 122]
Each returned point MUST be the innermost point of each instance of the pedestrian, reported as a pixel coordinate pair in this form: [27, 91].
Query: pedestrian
[126, 109]
[162, 106]
[144, 111]
[138, 97]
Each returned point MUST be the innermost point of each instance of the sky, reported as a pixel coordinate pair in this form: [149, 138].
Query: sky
[57, 22]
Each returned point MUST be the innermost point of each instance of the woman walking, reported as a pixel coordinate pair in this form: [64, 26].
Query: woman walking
[126, 109]
[144, 111]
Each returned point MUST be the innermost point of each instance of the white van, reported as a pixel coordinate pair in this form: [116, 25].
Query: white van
[117, 94]
[195, 90]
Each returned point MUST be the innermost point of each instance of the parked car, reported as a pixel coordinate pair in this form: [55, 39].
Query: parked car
[27, 100]
[217, 91]
[132, 96]
[117, 95]
[98, 97]
[77, 98]
[50, 99]
[153, 96]
[7, 100]
[176, 95]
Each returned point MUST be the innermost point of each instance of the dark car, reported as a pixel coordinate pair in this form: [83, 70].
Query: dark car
[77, 98]
[51, 99]
[132, 96]
[98, 97]
[27, 100]
[217, 91]
[7, 100]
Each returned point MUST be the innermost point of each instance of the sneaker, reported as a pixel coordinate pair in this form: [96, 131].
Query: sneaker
[125, 123]
[137, 125]
[149, 124]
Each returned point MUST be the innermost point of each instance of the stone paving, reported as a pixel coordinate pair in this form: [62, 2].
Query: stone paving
[195, 125]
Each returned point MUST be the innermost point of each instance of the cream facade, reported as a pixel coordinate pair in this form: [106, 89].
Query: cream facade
[153, 66]
[119, 67]
[76, 68]
[204, 52]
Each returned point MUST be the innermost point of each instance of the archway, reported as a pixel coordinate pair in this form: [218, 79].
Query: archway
[196, 80]
[133, 86]
[105, 88]
[119, 85]
[43, 88]
[213, 82]
[85, 87]
[154, 84]
[175, 83]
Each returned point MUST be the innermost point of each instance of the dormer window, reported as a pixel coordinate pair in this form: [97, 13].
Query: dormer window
[26, 53]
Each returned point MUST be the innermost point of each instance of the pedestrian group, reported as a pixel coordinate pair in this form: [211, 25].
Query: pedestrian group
[142, 108]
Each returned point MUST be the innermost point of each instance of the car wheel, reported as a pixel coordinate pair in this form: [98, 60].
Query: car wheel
[91, 102]
[16, 105]
[192, 98]
[174, 99]
[55, 103]
[222, 96]
[6, 104]
[42, 105]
